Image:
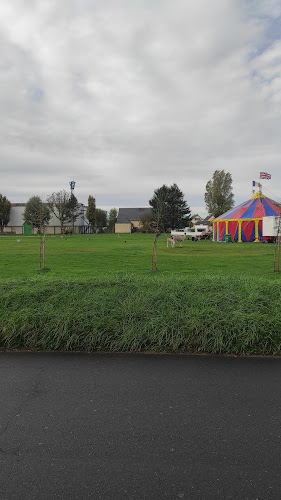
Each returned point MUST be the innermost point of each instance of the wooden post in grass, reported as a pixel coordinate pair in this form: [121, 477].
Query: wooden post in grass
[42, 242]
[276, 264]
[278, 259]
[154, 252]
[157, 216]
[43, 248]
[42, 260]
[276, 267]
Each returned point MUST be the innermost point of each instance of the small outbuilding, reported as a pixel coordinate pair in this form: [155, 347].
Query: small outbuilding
[129, 219]
[244, 223]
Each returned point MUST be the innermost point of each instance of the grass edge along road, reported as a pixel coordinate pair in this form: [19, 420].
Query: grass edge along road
[215, 311]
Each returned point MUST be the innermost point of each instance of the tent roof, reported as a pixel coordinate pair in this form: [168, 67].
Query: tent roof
[257, 207]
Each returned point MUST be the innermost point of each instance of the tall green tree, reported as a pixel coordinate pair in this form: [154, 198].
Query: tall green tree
[218, 196]
[74, 207]
[5, 211]
[147, 223]
[91, 212]
[112, 219]
[37, 213]
[169, 209]
[101, 219]
[64, 206]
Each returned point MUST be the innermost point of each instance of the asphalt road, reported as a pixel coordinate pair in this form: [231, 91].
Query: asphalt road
[122, 426]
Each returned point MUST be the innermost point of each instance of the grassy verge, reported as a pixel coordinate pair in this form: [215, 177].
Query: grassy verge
[206, 313]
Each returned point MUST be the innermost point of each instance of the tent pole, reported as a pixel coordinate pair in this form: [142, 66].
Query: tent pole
[239, 231]
[256, 231]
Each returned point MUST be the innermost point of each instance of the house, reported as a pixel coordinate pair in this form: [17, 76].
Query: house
[17, 225]
[129, 219]
[204, 224]
[194, 219]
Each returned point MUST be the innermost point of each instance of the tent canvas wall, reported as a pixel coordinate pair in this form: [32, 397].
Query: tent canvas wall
[244, 223]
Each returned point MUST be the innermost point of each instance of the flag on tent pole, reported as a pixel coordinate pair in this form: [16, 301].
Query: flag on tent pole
[265, 175]
[255, 183]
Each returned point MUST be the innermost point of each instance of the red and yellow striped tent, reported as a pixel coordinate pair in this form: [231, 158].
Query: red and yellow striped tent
[244, 223]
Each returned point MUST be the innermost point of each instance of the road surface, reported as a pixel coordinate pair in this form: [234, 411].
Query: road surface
[134, 426]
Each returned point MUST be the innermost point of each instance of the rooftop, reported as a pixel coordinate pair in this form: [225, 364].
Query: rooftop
[126, 215]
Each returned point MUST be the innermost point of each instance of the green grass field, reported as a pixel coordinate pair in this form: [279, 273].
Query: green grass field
[99, 293]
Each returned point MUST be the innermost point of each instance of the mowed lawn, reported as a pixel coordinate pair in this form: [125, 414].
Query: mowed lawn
[98, 293]
[88, 256]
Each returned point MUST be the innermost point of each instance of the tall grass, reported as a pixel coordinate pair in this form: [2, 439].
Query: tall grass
[129, 312]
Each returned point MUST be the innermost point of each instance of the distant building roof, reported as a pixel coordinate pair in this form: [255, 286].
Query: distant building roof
[194, 218]
[205, 222]
[126, 215]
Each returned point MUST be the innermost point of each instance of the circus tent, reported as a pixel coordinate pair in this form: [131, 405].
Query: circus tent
[244, 223]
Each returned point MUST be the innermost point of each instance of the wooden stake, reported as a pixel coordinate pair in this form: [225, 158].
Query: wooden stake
[276, 263]
[154, 252]
[43, 244]
[278, 255]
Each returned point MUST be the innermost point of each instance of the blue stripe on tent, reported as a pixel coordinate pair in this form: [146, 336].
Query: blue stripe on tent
[250, 210]
[243, 237]
[268, 209]
[253, 235]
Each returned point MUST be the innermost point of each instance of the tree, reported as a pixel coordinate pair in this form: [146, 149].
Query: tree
[64, 206]
[37, 213]
[169, 209]
[218, 196]
[91, 211]
[74, 207]
[112, 219]
[5, 210]
[147, 223]
[101, 219]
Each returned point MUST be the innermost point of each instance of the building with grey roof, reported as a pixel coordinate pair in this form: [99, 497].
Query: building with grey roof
[17, 225]
[129, 219]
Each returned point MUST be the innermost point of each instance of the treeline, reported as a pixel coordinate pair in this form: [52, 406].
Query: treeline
[98, 218]
[64, 206]
[169, 210]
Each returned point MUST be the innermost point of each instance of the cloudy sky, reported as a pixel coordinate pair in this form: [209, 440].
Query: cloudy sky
[125, 95]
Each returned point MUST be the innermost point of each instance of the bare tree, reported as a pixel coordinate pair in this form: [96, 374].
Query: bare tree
[64, 206]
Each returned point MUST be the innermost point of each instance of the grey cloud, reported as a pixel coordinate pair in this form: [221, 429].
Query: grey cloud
[127, 95]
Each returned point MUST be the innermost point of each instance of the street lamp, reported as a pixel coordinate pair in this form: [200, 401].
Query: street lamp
[72, 186]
